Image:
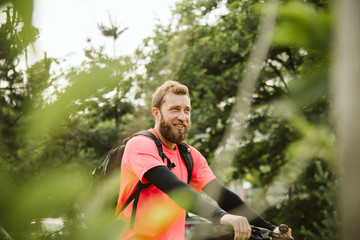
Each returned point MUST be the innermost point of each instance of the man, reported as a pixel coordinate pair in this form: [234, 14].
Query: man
[162, 207]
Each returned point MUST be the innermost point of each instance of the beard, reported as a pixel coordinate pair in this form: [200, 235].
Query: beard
[172, 134]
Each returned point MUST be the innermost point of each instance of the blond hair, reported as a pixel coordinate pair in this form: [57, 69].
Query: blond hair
[168, 87]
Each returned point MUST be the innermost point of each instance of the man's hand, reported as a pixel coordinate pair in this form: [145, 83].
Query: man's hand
[277, 230]
[240, 224]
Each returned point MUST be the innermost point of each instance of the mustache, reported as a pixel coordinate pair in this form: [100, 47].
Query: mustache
[181, 122]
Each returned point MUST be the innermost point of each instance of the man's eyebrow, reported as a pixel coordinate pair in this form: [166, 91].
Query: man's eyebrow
[179, 106]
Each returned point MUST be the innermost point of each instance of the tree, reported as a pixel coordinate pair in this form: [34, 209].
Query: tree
[113, 31]
[15, 91]
[112, 104]
[346, 88]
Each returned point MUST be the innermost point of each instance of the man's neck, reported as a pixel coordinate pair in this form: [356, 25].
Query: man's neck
[164, 140]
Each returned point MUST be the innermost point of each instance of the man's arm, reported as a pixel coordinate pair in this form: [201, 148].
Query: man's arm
[187, 198]
[183, 194]
[232, 203]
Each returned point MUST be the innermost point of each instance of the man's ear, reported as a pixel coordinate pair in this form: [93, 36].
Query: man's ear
[156, 112]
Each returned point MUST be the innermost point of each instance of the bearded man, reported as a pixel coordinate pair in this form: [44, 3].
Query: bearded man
[161, 208]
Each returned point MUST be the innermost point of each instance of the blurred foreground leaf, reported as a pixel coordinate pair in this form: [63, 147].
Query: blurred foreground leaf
[68, 193]
[86, 85]
[300, 20]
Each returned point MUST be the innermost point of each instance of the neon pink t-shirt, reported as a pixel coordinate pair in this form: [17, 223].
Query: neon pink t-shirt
[157, 216]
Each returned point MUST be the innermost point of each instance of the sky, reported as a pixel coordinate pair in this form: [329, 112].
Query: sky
[65, 25]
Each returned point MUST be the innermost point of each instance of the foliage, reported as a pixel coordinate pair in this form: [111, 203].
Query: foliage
[50, 143]
[82, 207]
[310, 211]
[102, 116]
[25, 10]
[16, 93]
[313, 149]
[206, 47]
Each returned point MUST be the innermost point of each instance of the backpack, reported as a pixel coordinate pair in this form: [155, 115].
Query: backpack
[113, 159]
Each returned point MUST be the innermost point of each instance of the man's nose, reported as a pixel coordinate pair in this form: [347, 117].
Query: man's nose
[182, 116]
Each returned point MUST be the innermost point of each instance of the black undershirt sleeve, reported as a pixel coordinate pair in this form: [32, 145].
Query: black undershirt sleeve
[233, 204]
[183, 194]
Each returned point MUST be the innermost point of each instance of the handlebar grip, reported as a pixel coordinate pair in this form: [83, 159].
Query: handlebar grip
[283, 228]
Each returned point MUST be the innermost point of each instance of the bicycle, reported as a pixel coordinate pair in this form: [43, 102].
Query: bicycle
[200, 230]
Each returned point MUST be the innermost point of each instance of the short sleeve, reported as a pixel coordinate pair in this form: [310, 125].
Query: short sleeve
[141, 155]
[202, 174]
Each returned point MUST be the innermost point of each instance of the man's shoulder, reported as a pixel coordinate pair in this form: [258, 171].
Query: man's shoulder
[140, 145]
[140, 139]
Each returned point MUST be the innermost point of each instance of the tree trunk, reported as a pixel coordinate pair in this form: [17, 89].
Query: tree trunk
[346, 85]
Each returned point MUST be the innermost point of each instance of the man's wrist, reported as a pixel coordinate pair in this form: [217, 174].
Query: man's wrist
[218, 214]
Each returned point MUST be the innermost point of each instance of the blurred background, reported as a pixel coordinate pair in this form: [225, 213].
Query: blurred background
[274, 88]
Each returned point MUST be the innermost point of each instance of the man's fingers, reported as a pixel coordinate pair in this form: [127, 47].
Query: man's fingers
[246, 229]
[242, 230]
[237, 235]
[289, 232]
[249, 232]
[237, 230]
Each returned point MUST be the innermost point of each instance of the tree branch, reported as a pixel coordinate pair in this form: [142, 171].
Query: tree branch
[277, 71]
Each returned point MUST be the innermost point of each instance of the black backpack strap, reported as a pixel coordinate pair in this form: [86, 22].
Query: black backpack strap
[153, 137]
[186, 156]
[158, 144]
[134, 196]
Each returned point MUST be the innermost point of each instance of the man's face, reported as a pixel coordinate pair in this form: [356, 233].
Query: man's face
[175, 117]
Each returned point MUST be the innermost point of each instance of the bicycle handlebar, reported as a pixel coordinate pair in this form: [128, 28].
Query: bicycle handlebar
[208, 231]
[258, 233]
